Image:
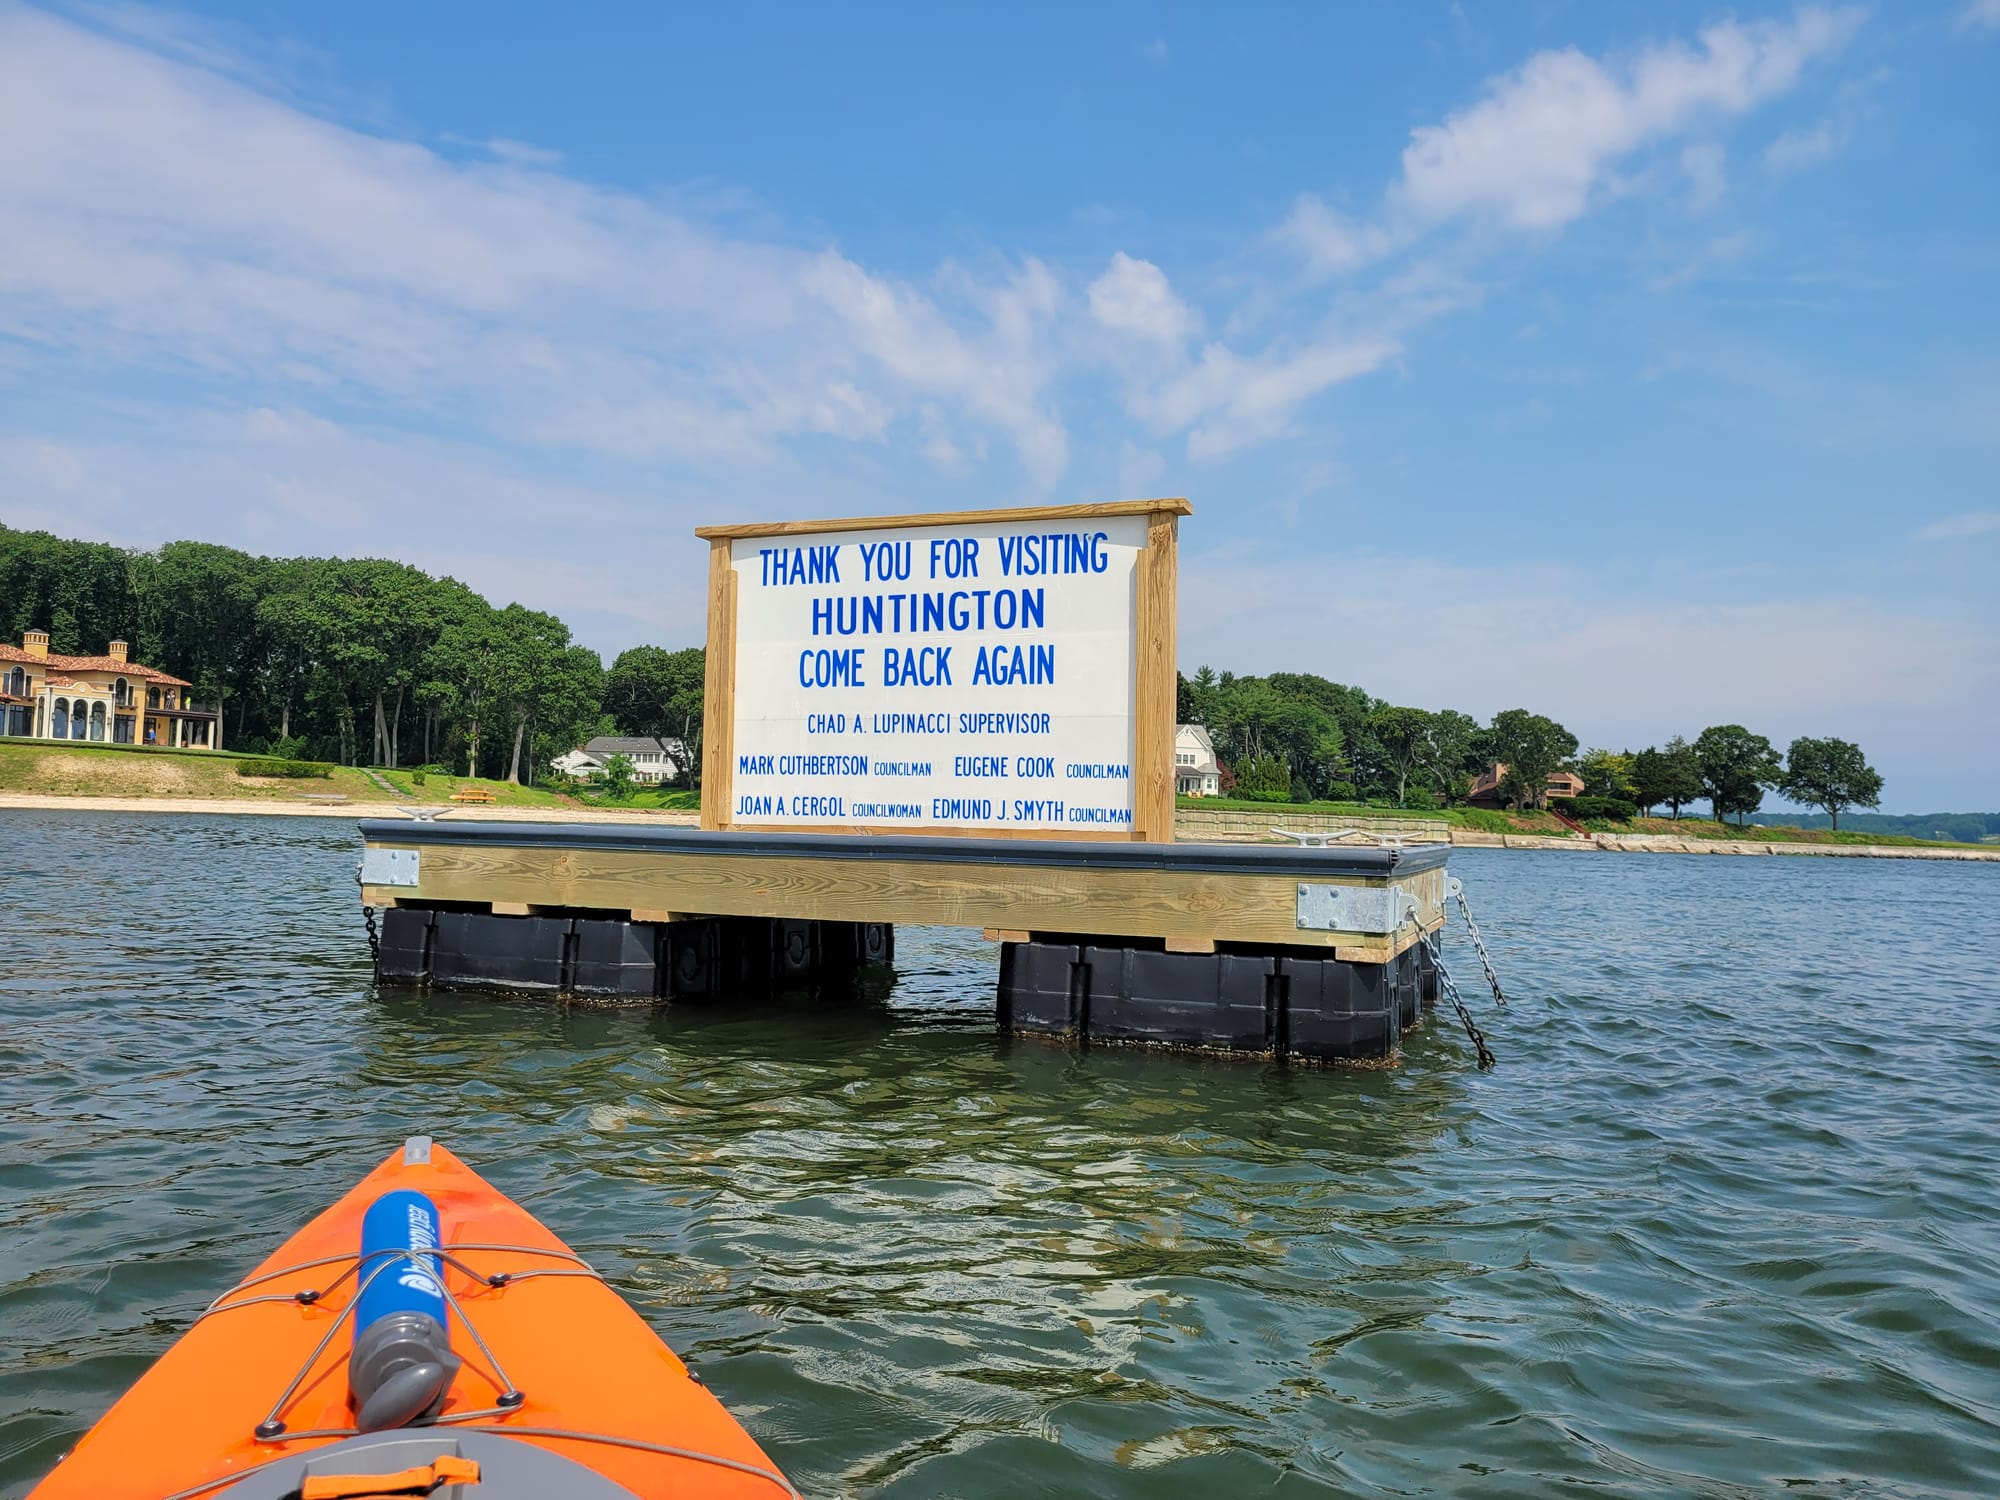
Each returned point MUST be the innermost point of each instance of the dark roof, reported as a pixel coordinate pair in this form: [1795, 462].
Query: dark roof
[615, 744]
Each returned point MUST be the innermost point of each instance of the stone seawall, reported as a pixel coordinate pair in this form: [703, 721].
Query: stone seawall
[1666, 843]
[1230, 825]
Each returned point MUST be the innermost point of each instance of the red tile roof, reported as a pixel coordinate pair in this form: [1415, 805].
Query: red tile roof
[57, 663]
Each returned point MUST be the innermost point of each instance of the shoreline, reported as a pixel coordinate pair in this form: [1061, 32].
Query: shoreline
[1666, 843]
[1460, 838]
[274, 808]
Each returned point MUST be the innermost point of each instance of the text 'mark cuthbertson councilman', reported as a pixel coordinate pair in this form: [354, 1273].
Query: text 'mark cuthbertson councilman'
[978, 675]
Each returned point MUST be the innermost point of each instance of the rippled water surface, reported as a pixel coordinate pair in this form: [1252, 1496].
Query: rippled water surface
[1725, 1221]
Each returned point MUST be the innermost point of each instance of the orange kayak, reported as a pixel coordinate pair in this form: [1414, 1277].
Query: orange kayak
[551, 1385]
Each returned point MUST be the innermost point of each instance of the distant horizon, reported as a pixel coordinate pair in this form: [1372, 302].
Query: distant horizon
[1627, 364]
[1772, 800]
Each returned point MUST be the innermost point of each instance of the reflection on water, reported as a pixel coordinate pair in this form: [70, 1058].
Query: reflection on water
[1720, 1223]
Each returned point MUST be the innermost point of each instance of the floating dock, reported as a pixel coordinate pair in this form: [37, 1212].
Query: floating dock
[1288, 952]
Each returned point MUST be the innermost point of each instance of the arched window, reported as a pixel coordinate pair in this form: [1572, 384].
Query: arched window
[79, 720]
[152, 697]
[122, 693]
[60, 724]
[17, 683]
[97, 721]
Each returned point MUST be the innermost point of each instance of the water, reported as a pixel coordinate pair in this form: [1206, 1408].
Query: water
[1722, 1223]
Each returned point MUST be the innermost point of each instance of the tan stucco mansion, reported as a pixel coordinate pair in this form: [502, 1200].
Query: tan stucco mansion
[104, 698]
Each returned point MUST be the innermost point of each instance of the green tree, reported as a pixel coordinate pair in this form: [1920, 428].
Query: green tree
[1200, 697]
[661, 695]
[467, 676]
[1832, 775]
[1672, 776]
[1402, 733]
[1737, 768]
[1532, 747]
[1607, 773]
[197, 607]
[618, 777]
[1450, 753]
[1358, 757]
[1264, 778]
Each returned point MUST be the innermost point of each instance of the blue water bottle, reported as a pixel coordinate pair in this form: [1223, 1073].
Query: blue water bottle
[401, 1365]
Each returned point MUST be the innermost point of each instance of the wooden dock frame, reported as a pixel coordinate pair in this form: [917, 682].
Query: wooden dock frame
[1155, 669]
[1201, 945]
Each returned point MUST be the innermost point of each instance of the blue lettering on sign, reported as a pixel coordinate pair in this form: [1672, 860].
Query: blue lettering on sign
[1028, 767]
[979, 765]
[816, 807]
[960, 809]
[824, 668]
[1038, 812]
[753, 765]
[927, 667]
[933, 723]
[1118, 815]
[884, 562]
[826, 723]
[759, 807]
[783, 566]
[1000, 665]
[955, 557]
[1054, 552]
[888, 810]
[1003, 723]
[916, 614]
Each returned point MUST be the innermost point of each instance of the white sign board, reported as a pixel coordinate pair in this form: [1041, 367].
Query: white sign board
[972, 675]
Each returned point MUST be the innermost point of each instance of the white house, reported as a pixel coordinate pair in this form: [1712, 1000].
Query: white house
[1197, 773]
[649, 762]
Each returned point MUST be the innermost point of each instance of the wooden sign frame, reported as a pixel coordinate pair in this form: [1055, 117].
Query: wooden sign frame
[1154, 642]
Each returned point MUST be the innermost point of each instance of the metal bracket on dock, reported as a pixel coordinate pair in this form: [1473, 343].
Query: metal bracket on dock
[1354, 908]
[389, 866]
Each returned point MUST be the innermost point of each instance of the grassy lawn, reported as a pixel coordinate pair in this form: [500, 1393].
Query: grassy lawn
[62, 768]
[664, 799]
[438, 788]
[67, 769]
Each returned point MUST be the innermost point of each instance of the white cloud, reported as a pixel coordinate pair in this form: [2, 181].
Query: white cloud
[1232, 402]
[1546, 138]
[1331, 243]
[1133, 298]
[1796, 150]
[1958, 528]
[1707, 176]
[173, 216]
[1535, 148]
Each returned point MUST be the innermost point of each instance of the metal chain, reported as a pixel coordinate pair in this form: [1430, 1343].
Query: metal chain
[1478, 942]
[374, 937]
[1450, 988]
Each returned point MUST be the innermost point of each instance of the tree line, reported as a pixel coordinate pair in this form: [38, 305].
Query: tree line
[357, 660]
[1297, 737]
[369, 662]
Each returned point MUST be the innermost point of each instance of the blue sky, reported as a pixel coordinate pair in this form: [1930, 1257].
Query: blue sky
[1636, 363]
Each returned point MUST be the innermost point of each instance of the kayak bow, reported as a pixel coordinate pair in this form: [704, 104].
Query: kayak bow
[483, 1357]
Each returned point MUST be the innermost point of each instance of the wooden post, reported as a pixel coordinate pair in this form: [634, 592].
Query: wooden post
[718, 720]
[1157, 682]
